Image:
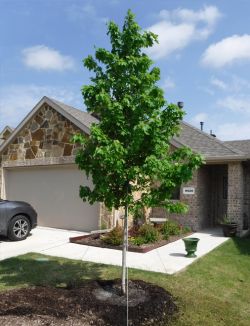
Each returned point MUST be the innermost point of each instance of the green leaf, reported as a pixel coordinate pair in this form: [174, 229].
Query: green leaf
[129, 149]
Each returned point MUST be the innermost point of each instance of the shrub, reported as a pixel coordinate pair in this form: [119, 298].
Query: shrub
[133, 231]
[137, 241]
[149, 233]
[114, 237]
[186, 229]
[170, 228]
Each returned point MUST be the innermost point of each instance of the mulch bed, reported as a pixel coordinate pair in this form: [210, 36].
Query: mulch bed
[93, 303]
[95, 241]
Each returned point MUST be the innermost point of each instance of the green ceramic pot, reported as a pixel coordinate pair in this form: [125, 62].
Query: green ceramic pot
[191, 246]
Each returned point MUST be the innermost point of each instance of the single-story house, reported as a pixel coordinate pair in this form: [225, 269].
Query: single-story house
[5, 134]
[37, 166]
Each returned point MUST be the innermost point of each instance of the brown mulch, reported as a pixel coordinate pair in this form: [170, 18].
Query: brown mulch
[95, 303]
[95, 241]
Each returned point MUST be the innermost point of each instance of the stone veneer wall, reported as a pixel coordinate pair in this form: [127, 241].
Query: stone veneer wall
[235, 208]
[106, 217]
[48, 134]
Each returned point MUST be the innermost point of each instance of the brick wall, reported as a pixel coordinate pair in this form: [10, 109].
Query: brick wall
[235, 208]
[191, 218]
[207, 206]
[246, 214]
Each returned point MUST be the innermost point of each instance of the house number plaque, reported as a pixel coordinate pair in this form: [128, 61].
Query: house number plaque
[188, 191]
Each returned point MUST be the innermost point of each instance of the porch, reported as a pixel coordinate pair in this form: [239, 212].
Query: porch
[219, 191]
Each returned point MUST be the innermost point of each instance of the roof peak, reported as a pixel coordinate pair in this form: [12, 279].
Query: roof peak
[81, 119]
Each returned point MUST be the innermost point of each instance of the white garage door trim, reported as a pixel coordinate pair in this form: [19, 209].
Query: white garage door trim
[54, 193]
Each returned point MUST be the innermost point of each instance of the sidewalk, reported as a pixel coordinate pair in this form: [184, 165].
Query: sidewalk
[168, 259]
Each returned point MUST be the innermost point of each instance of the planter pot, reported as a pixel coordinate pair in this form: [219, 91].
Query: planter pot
[191, 246]
[229, 229]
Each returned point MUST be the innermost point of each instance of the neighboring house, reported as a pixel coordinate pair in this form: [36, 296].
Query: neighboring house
[5, 134]
[37, 165]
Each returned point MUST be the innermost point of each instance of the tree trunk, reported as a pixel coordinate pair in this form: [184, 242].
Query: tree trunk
[124, 251]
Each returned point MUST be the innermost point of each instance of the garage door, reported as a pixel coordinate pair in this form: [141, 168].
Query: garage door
[54, 193]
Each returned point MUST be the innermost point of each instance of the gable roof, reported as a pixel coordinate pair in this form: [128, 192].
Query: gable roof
[210, 147]
[6, 128]
[84, 117]
[242, 145]
[82, 120]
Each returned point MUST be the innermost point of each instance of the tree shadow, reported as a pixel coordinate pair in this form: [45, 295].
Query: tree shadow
[243, 245]
[35, 269]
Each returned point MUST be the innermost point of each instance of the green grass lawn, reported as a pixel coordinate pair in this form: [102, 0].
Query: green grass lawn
[213, 291]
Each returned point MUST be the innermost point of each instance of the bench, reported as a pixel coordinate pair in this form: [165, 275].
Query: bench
[158, 220]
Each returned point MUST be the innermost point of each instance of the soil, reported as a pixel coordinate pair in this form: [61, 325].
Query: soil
[95, 303]
[95, 241]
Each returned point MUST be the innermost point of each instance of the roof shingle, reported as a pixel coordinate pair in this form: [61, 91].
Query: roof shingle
[84, 117]
[199, 141]
[205, 144]
[242, 145]
[211, 148]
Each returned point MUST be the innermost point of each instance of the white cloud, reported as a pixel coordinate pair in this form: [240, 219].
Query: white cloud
[237, 103]
[171, 38]
[168, 83]
[218, 83]
[208, 15]
[177, 29]
[76, 12]
[233, 84]
[17, 100]
[240, 84]
[233, 131]
[41, 57]
[228, 51]
[202, 116]
[81, 12]
[206, 89]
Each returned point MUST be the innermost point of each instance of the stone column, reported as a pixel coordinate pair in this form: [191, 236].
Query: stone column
[235, 202]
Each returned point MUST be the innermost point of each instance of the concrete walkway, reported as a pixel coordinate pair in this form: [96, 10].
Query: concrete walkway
[168, 259]
[40, 239]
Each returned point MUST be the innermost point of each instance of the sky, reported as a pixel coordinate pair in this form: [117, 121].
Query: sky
[203, 54]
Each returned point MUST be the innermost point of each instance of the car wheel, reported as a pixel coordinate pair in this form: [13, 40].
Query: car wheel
[19, 228]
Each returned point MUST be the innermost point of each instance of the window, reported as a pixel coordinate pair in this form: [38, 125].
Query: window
[176, 193]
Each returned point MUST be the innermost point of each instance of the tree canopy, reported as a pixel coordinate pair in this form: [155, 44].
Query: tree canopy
[129, 149]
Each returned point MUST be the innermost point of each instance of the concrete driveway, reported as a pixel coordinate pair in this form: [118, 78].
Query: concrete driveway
[41, 240]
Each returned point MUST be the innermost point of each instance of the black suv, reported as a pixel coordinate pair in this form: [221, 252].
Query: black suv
[17, 218]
